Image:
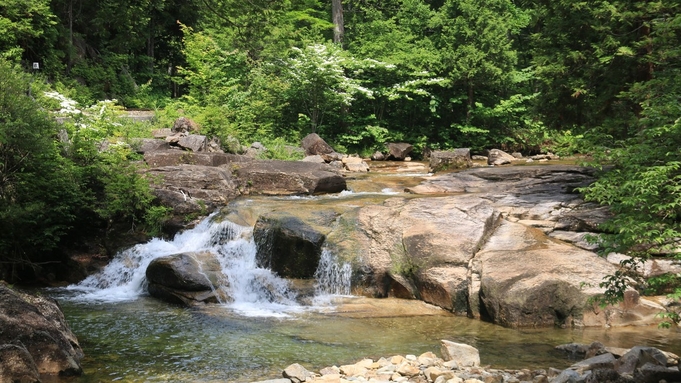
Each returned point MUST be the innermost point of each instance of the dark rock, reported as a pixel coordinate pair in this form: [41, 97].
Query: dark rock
[398, 151]
[654, 373]
[186, 278]
[450, 159]
[287, 245]
[186, 271]
[37, 325]
[315, 145]
[637, 356]
[603, 361]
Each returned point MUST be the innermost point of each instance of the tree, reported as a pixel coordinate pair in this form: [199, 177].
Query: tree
[39, 194]
[338, 24]
[644, 187]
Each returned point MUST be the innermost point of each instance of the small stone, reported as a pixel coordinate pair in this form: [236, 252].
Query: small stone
[366, 363]
[333, 370]
[353, 370]
[406, 369]
[397, 359]
[297, 373]
[451, 364]
[540, 379]
[463, 354]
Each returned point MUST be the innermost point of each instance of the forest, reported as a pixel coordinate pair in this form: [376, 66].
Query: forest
[597, 78]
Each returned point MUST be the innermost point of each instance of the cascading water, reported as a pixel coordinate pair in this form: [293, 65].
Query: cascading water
[332, 277]
[254, 291]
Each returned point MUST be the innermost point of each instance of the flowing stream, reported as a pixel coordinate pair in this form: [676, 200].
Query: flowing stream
[128, 336]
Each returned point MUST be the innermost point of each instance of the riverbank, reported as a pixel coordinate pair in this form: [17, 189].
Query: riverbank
[460, 363]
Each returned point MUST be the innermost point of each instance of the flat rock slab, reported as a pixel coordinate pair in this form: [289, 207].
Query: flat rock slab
[288, 178]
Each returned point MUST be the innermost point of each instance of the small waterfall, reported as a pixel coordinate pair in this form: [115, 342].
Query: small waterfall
[253, 290]
[332, 277]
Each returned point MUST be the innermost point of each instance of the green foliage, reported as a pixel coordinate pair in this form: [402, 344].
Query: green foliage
[643, 188]
[38, 200]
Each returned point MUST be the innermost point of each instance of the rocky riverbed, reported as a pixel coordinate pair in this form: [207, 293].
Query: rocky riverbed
[460, 363]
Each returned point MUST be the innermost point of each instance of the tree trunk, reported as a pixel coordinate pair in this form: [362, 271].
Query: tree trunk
[337, 16]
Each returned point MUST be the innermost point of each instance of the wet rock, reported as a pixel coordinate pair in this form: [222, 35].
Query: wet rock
[288, 246]
[446, 287]
[378, 156]
[450, 159]
[35, 326]
[398, 151]
[186, 278]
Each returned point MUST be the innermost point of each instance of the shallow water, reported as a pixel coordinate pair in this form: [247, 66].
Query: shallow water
[149, 341]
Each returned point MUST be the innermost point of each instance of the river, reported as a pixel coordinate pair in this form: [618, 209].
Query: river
[130, 337]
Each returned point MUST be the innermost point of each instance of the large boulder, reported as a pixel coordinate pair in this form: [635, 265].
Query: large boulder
[35, 338]
[193, 188]
[398, 151]
[187, 278]
[315, 145]
[287, 245]
[450, 159]
[288, 178]
[478, 252]
[529, 280]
